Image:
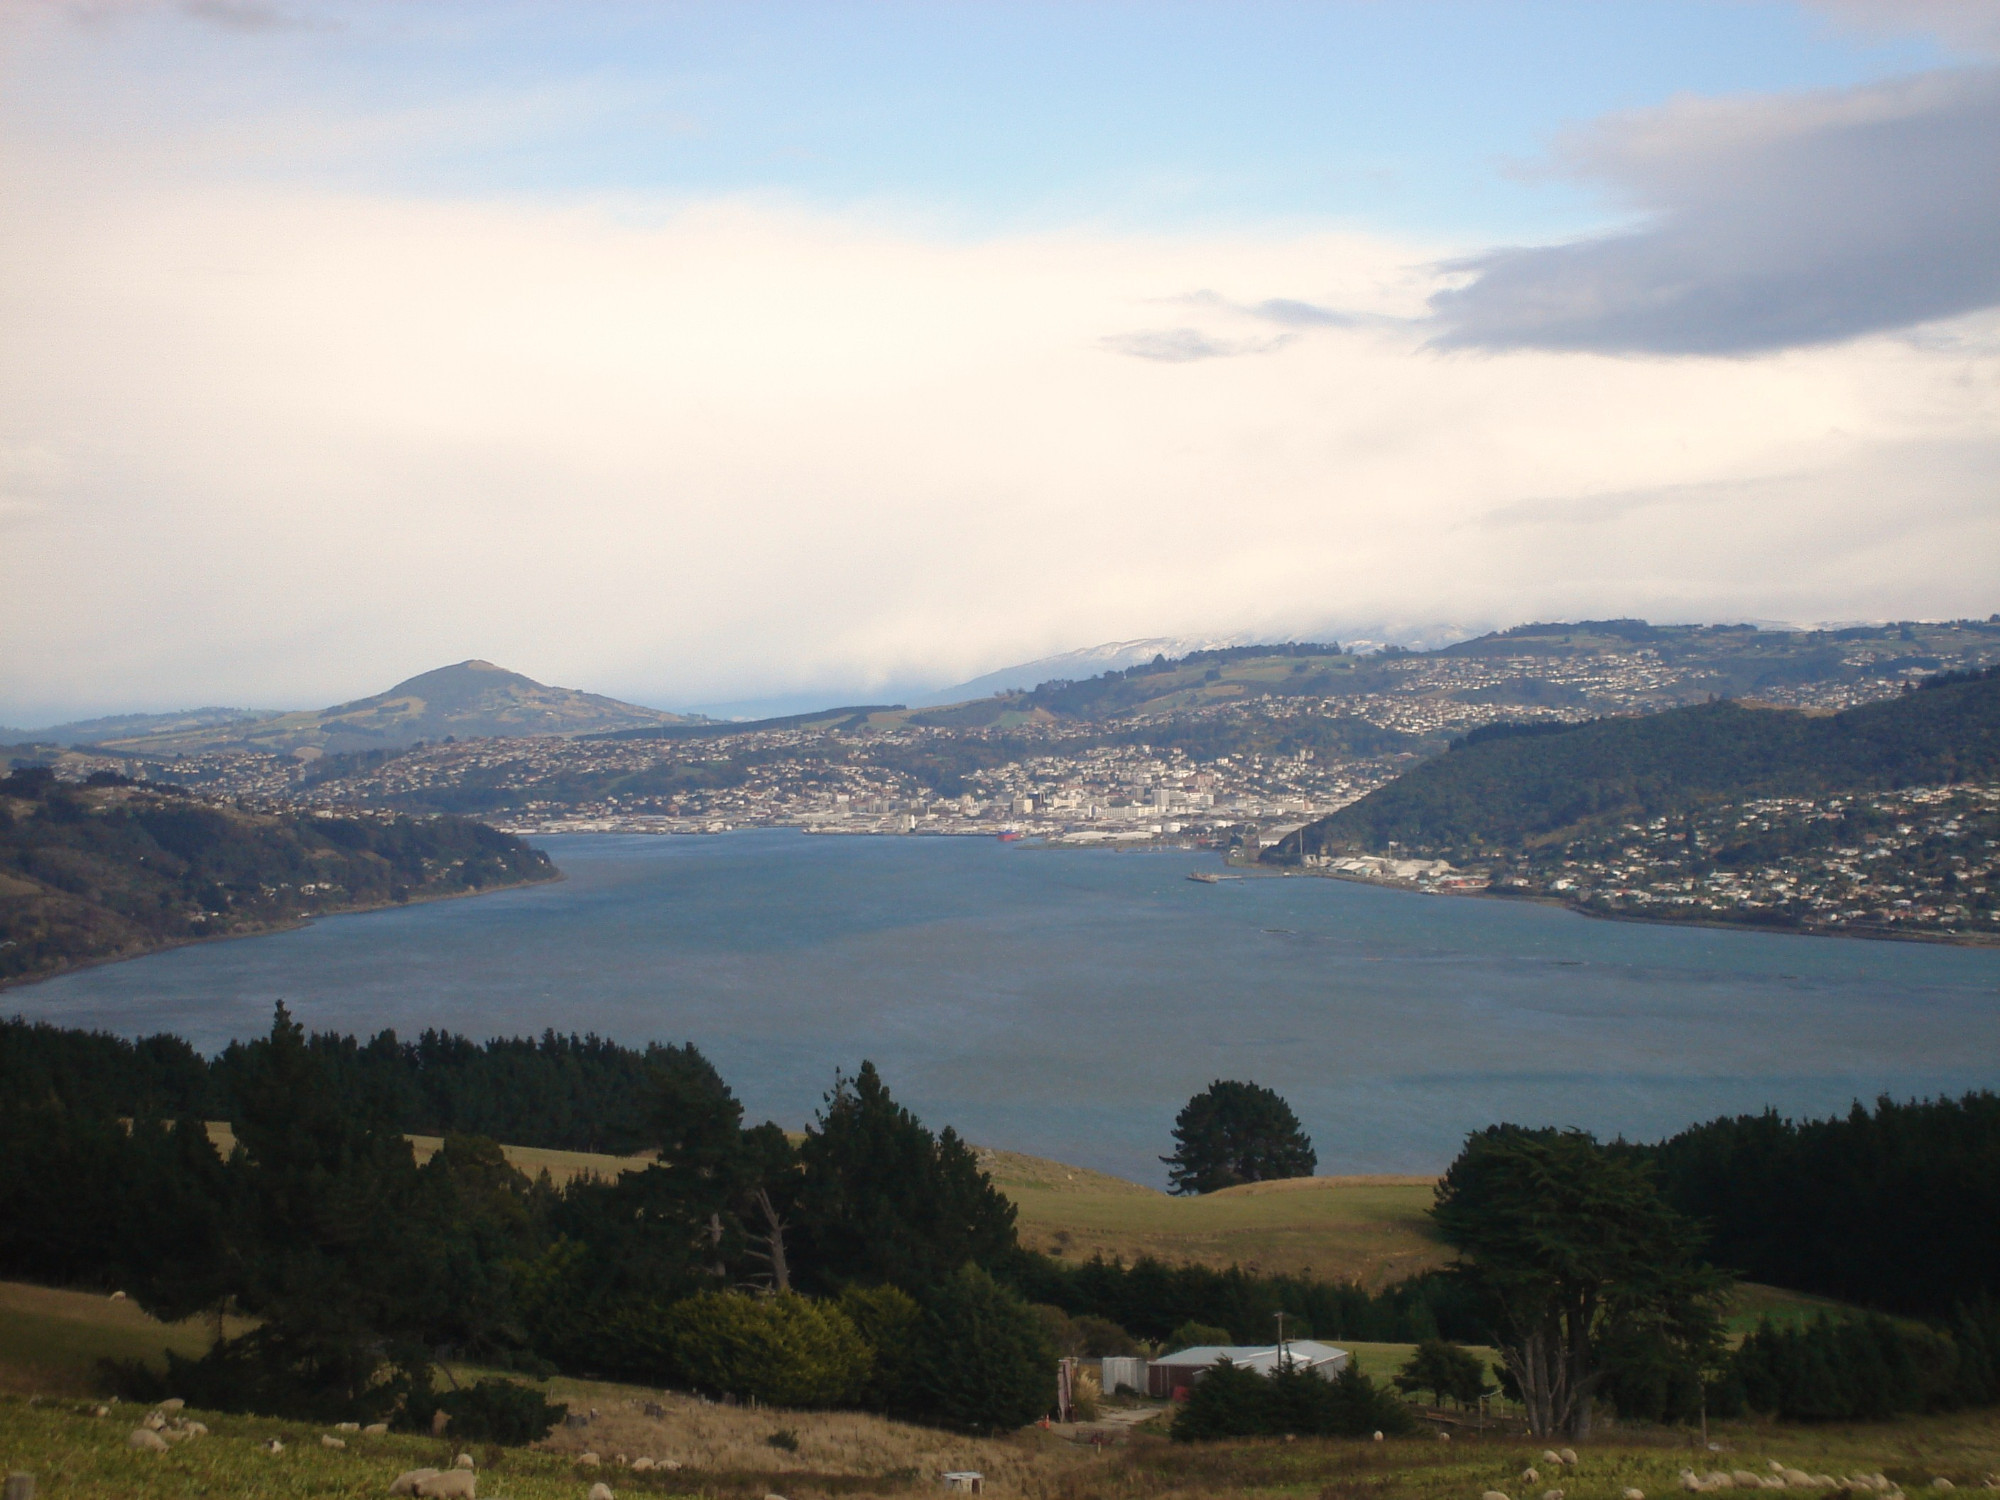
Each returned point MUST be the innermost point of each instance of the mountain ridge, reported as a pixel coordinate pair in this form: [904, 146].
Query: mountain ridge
[466, 700]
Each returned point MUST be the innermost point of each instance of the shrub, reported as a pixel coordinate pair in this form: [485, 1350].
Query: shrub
[1193, 1335]
[1233, 1401]
[786, 1350]
[982, 1362]
[491, 1411]
[888, 1319]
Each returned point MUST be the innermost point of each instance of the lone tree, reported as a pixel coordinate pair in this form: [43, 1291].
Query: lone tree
[1236, 1132]
[1578, 1264]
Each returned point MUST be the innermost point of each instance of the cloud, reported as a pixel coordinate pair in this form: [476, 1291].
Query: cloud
[1184, 345]
[1971, 24]
[1767, 223]
[281, 445]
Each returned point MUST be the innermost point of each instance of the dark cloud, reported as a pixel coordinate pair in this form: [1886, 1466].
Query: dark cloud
[1769, 224]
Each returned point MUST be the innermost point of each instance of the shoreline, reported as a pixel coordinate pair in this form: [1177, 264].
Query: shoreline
[1872, 934]
[290, 925]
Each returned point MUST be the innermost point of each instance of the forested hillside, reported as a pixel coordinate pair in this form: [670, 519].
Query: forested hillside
[111, 869]
[1496, 790]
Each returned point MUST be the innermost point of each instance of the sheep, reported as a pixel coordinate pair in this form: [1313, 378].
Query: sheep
[600, 1491]
[1552, 1495]
[375, 1429]
[1691, 1482]
[1531, 1475]
[155, 1420]
[273, 1445]
[589, 1460]
[346, 1426]
[1568, 1456]
[449, 1484]
[1631, 1494]
[1493, 1495]
[406, 1482]
[463, 1461]
[641, 1464]
[1745, 1480]
[328, 1440]
[145, 1440]
[1550, 1456]
[100, 1411]
[1941, 1483]
[1715, 1479]
[1378, 1436]
[1798, 1477]
[1443, 1436]
[172, 1404]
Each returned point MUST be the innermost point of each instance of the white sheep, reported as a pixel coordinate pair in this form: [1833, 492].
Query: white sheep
[448, 1484]
[463, 1461]
[328, 1440]
[1568, 1456]
[375, 1429]
[1631, 1494]
[406, 1482]
[589, 1460]
[1531, 1475]
[600, 1491]
[145, 1440]
[1494, 1495]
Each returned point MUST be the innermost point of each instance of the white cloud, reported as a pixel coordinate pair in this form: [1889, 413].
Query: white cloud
[272, 446]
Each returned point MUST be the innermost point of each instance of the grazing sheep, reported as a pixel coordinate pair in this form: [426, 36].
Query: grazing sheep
[1378, 1436]
[1531, 1475]
[600, 1491]
[1797, 1477]
[1690, 1481]
[1715, 1479]
[195, 1429]
[328, 1440]
[273, 1445]
[117, 1296]
[1631, 1494]
[154, 1421]
[463, 1461]
[641, 1464]
[1744, 1479]
[1493, 1495]
[1568, 1456]
[1443, 1436]
[449, 1484]
[172, 1404]
[375, 1429]
[100, 1411]
[1550, 1456]
[346, 1426]
[669, 1463]
[1552, 1495]
[589, 1460]
[406, 1483]
[145, 1440]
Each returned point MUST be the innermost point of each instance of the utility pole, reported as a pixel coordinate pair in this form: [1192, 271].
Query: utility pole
[1284, 1355]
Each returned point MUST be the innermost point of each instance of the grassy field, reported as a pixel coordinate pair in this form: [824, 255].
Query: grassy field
[1367, 1229]
[725, 1452]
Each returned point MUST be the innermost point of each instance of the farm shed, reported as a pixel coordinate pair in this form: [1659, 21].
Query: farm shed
[1124, 1370]
[1172, 1374]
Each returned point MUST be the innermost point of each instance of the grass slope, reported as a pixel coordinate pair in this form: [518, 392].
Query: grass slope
[724, 1454]
[1367, 1229]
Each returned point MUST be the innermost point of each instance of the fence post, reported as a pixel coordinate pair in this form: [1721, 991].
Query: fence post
[20, 1487]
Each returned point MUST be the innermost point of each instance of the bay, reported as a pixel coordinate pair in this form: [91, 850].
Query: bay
[1067, 1002]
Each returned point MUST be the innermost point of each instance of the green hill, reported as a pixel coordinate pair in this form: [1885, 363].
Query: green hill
[112, 869]
[1512, 786]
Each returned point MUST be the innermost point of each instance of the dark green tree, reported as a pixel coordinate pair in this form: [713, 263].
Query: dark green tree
[1448, 1372]
[881, 1199]
[1237, 1132]
[982, 1361]
[1571, 1249]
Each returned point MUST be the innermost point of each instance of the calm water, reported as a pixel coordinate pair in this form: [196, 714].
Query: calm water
[1068, 1002]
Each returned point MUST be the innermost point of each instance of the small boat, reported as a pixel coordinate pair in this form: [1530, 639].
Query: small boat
[1010, 835]
[1207, 878]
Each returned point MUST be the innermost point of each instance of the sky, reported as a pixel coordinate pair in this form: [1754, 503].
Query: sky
[723, 352]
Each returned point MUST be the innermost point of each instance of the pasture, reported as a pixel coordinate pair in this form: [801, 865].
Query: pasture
[725, 1452]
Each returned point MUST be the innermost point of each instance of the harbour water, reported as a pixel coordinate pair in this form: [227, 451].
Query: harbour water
[1068, 1002]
